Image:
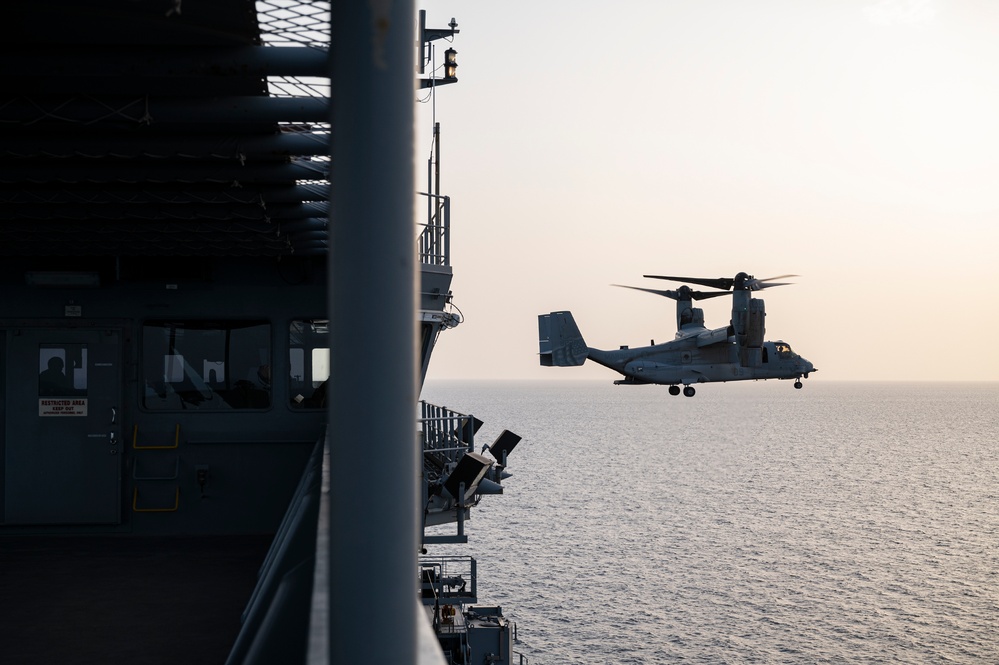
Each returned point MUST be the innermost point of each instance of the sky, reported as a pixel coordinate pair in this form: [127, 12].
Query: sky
[854, 143]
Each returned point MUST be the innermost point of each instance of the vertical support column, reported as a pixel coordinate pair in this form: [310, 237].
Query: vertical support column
[372, 309]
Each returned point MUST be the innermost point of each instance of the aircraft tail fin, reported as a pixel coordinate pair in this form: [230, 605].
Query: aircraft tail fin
[561, 344]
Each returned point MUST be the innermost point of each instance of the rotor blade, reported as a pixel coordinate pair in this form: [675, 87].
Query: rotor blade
[724, 283]
[669, 294]
[758, 284]
[673, 295]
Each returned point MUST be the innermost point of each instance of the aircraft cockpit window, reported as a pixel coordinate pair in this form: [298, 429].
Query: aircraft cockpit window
[309, 360]
[783, 349]
[206, 365]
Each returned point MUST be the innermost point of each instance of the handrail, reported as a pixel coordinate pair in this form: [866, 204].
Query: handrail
[435, 237]
[136, 509]
[443, 431]
[135, 440]
[451, 571]
[285, 580]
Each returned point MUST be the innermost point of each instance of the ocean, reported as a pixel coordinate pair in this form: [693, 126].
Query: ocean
[753, 523]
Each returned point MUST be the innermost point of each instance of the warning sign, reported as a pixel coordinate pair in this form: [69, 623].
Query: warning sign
[62, 407]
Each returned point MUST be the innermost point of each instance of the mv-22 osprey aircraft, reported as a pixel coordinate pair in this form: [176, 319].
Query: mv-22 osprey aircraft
[736, 352]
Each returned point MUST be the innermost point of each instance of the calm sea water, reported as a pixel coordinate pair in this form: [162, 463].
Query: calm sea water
[753, 523]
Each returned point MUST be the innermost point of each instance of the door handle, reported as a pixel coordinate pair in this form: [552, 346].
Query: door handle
[113, 438]
[114, 415]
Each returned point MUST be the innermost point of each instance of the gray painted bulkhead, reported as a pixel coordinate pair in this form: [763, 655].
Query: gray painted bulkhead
[250, 459]
[253, 457]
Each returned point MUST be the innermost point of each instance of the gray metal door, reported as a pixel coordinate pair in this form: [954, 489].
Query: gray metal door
[63, 426]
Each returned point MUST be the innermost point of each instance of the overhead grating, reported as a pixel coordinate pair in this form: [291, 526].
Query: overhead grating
[154, 127]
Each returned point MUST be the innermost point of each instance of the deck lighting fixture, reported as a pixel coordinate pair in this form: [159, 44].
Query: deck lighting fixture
[503, 446]
[427, 35]
[450, 65]
[467, 428]
[469, 471]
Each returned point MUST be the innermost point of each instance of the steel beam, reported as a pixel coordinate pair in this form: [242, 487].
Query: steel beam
[170, 193]
[278, 212]
[139, 62]
[161, 172]
[166, 246]
[231, 146]
[95, 113]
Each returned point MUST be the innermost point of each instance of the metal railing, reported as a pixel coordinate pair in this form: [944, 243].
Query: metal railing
[285, 585]
[448, 580]
[435, 235]
[446, 435]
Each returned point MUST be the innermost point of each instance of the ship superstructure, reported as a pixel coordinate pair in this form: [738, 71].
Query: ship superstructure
[173, 300]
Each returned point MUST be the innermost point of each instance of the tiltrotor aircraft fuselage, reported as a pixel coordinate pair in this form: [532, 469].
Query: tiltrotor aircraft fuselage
[698, 354]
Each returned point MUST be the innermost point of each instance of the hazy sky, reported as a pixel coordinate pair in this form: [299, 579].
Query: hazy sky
[852, 142]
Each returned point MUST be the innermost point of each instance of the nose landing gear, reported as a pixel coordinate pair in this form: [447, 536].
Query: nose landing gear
[797, 384]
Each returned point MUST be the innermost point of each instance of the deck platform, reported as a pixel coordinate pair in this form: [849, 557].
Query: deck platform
[124, 599]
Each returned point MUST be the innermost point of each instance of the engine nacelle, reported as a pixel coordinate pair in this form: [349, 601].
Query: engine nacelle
[755, 327]
[751, 344]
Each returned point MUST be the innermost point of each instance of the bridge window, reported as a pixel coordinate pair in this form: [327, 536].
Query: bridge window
[206, 365]
[309, 362]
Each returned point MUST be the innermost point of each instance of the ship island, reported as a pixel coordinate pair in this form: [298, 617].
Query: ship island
[220, 299]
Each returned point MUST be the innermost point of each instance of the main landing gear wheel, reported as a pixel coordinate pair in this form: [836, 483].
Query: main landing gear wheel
[674, 390]
[797, 384]
[688, 391]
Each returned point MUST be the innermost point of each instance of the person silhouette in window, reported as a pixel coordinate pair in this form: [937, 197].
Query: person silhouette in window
[52, 381]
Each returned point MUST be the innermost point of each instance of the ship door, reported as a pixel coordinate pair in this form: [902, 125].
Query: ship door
[62, 462]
